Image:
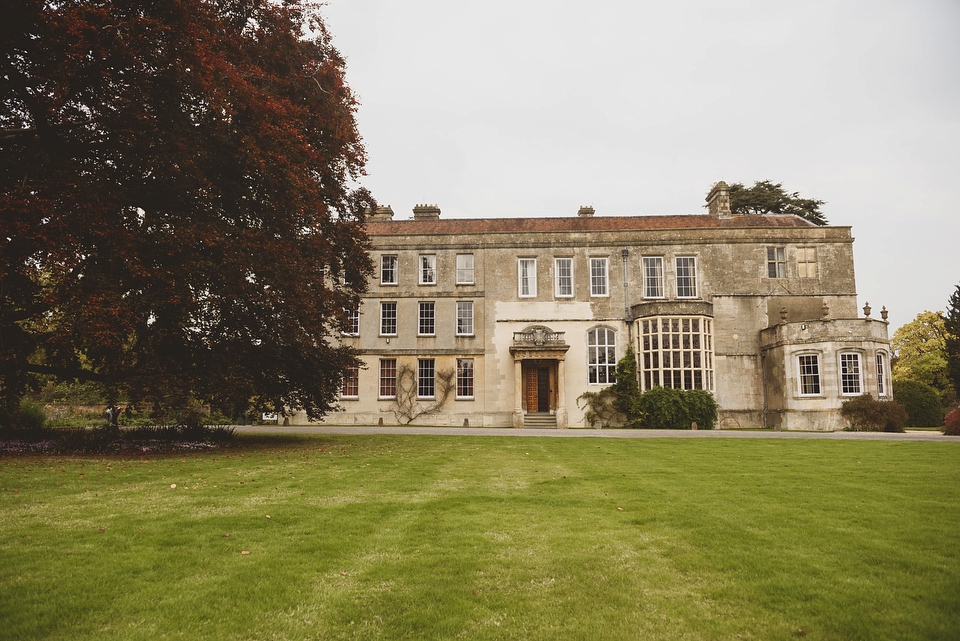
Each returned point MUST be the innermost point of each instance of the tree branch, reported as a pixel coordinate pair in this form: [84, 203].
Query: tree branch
[66, 372]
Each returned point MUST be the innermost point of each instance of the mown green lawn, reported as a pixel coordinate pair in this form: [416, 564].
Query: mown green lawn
[441, 537]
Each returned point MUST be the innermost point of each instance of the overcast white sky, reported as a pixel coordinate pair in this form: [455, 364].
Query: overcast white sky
[534, 107]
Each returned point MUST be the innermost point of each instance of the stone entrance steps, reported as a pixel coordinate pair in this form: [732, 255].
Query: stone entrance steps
[543, 420]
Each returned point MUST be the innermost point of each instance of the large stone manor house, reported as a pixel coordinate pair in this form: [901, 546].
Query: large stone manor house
[507, 321]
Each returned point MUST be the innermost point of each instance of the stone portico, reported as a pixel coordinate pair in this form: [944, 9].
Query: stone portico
[539, 356]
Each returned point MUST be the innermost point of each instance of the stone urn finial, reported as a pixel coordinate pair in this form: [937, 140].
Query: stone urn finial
[884, 313]
[783, 315]
[866, 310]
[824, 309]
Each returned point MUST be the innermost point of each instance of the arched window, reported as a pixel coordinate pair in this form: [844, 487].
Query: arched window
[602, 355]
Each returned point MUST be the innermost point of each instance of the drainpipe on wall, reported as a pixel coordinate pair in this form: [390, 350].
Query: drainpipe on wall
[763, 380]
[627, 314]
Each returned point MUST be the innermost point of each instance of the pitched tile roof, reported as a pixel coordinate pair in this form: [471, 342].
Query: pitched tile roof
[576, 224]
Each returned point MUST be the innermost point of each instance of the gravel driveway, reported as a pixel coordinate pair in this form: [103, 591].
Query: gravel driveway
[590, 433]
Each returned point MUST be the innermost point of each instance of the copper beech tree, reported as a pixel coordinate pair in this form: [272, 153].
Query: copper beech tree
[180, 215]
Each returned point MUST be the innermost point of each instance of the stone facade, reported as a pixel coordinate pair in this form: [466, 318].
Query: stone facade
[500, 322]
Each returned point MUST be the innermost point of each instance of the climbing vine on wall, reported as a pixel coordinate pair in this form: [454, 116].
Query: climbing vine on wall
[407, 406]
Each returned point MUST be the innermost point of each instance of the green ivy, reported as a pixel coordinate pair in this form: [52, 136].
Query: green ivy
[663, 407]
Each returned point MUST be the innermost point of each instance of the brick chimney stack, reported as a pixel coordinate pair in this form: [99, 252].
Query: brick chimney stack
[586, 211]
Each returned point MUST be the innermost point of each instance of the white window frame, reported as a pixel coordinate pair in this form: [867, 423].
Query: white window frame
[465, 266]
[599, 277]
[654, 263]
[882, 380]
[804, 373]
[464, 314]
[465, 378]
[393, 261]
[563, 281]
[426, 318]
[527, 275]
[426, 378]
[847, 377]
[690, 274]
[352, 327]
[676, 352]
[427, 269]
[601, 357]
[385, 317]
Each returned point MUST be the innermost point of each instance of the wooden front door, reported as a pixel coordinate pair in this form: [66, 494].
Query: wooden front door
[537, 389]
[532, 389]
[543, 389]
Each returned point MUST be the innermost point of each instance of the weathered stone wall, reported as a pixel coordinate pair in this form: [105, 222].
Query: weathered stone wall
[733, 284]
[828, 339]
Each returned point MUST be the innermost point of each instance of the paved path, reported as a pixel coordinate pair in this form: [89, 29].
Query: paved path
[587, 433]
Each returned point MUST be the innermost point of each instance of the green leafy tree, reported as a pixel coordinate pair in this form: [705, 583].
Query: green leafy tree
[179, 211]
[920, 401]
[951, 327]
[921, 353]
[766, 197]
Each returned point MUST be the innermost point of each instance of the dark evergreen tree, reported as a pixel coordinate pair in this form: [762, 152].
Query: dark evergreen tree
[920, 401]
[766, 197]
[952, 339]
